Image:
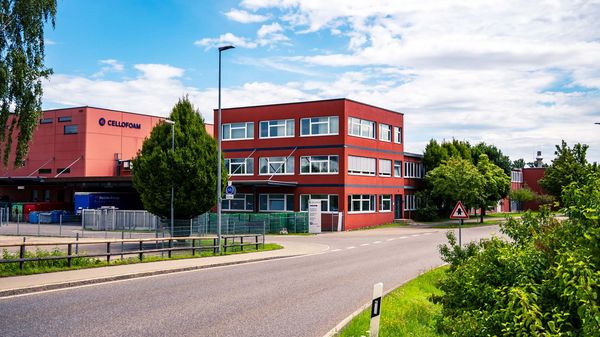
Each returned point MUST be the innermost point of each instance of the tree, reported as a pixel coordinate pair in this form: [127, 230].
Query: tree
[496, 183]
[518, 164]
[21, 70]
[456, 179]
[570, 165]
[191, 168]
[494, 154]
[524, 194]
[435, 154]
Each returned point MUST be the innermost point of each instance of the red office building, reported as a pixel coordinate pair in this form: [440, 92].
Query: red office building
[348, 154]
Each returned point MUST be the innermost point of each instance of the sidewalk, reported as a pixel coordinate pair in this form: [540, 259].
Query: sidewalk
[15, 285]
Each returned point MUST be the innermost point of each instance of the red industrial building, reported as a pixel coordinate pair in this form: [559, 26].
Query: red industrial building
[348, 154]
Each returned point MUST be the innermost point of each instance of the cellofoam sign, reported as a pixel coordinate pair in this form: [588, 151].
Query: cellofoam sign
[119, 124]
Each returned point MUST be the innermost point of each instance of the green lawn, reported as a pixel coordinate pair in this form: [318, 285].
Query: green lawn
[406, 311]
[38, 267]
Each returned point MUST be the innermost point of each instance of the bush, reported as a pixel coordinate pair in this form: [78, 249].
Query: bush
[544, 282]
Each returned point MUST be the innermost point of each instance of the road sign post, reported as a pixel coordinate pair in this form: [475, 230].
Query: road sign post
[376, 309]
[229, 191]
[459, 212]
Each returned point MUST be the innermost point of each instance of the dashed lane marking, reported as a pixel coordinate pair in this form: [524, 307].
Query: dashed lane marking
[365, 244]
[376, 242]
[335, 250]
[403, 237]
[351, 247]
[392, 239]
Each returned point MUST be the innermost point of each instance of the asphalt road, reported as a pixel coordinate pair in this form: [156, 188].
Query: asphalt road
[301, 296]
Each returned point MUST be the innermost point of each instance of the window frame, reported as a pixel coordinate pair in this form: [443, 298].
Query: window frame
[362, 173]
[382, 198]
[329, 166]
[285, 162]
[286, 202]
[410, 202]
[397, 130]
[361, 123]
[236, 197]
[70, 128]
[48, 120]
[285, 127]
[391, 167]
[64, 119]
[413, 170]
[247, 162]
[389, 132]
[328, 199]
[247, 126]
[372, 198]
[310, 124]
[397, 163]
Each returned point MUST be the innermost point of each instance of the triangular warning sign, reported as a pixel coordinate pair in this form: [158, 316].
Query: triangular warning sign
[459, 212]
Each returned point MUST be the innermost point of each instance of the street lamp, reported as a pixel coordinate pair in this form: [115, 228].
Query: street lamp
[172, 123]
[219, 131]
[597, 123]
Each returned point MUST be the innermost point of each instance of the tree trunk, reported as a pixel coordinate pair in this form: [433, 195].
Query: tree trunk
[482, 214]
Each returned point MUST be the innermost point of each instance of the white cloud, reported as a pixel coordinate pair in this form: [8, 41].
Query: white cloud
[244, 16]
[267, 35]
[226, 39]
[109, 66]
[49, 42]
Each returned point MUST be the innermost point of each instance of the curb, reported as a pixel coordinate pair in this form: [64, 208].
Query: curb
[64, 285]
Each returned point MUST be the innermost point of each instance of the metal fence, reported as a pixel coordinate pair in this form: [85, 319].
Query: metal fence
[4, 216]
[114, 220]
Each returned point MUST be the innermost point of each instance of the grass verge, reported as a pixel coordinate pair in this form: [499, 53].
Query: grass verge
[38, 267]
[406, 311]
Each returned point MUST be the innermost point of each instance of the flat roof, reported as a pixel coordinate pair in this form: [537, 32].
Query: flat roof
[315, 101]
[105, 109]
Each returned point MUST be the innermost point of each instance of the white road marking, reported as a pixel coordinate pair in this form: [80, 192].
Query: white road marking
[351, 247]
[392, 239]
[415, 235]
[335, 250]
[403, 237]
[364, 244]
[376, 242]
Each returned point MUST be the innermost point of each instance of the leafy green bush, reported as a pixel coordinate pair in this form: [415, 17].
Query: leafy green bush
[545, 281]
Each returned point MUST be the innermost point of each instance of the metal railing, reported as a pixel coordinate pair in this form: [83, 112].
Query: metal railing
[173, 244]
[114, 219]
[4, 215]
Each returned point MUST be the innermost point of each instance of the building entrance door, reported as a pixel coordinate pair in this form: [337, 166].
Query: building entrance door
[398, 206]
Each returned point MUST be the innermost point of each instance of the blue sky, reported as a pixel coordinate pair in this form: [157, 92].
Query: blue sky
[520, 76]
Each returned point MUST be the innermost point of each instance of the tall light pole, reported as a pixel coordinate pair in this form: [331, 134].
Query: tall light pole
[172, 123]
[219, 131]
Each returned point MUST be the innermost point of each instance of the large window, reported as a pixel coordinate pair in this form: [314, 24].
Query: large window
[361, 128]
[516, 176]
[70, 129]
[397, 135]
[240, 202]
[410, 202]
[385, 203]
[398, 168]
[276, 165]
[385, 167]
[239, 166]
[364, 203]
[277, 129]
[276, 202]
[318, 164]
[413, 170]
[64, 119]
[45, 120]
[361, 165]
[319, 126]
[329, 202]
[233, 131]
[385, 132]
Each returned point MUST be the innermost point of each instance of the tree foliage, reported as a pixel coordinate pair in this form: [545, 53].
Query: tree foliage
[21, 70]
[545, 281]
[524, 194]
[518, 164]
[456, 179]
[191, 168]
[569, 166]
[493, 154]
[496, 184]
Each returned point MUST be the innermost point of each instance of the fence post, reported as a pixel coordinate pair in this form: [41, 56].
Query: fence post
[60, 225]
[214, 246]
[225, 246]
[22, 255]
[18, 224]
[141, 251]
[122, 238]
[241, 243]
[190, 226]
[170, 247]
[108, 252]
[69, 253]
[193, 247]
[76, 244]
[39, 218]
[256, 238]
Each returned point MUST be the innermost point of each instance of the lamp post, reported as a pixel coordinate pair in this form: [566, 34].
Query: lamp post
[172, 123]
[219, 131]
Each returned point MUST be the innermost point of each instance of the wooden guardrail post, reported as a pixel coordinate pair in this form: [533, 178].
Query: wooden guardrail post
[170, 248]
[22, 255]
[241, 243]
[69, 252]
[225, 246]
[141, 250]
[193, 247]
[256, 237]
[108, 252]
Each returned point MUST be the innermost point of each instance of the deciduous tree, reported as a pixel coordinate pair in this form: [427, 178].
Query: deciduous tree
[456, 179]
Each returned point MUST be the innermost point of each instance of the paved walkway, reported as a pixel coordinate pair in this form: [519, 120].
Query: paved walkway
[32, 283]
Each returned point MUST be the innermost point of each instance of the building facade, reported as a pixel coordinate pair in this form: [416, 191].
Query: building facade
[348, 154]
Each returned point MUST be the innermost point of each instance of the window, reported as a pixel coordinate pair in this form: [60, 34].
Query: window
[410, 202]
[385, 167]
[45, 171]
[398, 168]
[385, 132]
[397, 135]
[277, 129]
[233, 131]
[385, 203]
[364, 203]
[329, 202]
[361, 128]
[361, 165]
[318, 164]
[516, 176]
[70, 129]
[276, 165]
[45, 120]
[276, 202]
[63, 170]
[64, 119]
[239, 166]
[240, 202]
[319, 126]
[413, 170]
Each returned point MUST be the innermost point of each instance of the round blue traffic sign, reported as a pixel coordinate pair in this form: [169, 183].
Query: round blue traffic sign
[230, 189]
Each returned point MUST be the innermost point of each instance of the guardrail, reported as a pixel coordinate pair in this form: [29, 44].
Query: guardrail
[196, 245]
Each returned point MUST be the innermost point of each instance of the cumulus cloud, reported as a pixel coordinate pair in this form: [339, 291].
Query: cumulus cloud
[244, 16]
[267, 35]
[109, 66]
